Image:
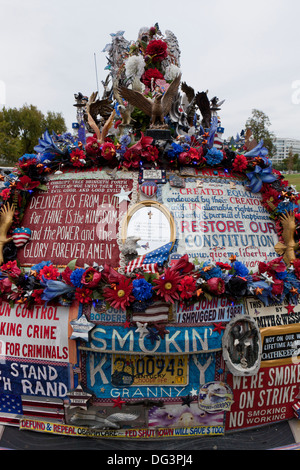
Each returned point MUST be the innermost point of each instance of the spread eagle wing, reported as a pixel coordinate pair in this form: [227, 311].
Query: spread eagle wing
[204, 107]
[170, 94]
[188, 90]
[137, 99]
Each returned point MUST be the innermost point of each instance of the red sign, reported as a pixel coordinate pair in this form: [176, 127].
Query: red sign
[264, 398]
[75, 219]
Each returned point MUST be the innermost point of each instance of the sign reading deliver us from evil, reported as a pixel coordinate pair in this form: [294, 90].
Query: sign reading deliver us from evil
[76, 219]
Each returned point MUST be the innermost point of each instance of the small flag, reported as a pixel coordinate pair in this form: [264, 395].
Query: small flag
[43, 408]
[156, 257]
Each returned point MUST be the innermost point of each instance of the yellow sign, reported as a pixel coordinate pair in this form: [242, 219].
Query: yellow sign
[149, 370]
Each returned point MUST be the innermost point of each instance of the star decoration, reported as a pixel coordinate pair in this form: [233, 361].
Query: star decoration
[127, 324]
[268, 278]
[294, 291]
[194, 392]
[290, 309]
[258, 291]
[81, 328]
[187, 400]
[199, 292]
[141, 329]
[123, 195]
[232, 258]
[218, 327]
[118, 402]
[161, 330]
[153, 335]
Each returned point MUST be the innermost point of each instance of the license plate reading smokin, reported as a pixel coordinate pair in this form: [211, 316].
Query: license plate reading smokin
[149, 370]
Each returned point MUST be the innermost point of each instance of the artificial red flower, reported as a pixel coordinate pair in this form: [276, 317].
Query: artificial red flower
[37, 295]
[296, 264]
[26, 184]
[108, 150]
[157, 50]
[150, 153]
[5, 285]
[225, 266]
[5, 193]
[11, 268]
[150, 74]
[120, 294]
[83, 295]
[277, 265]
[77, 158]
[187, 287]
[167, 285]
[66, 275]
[190, 156]
[24, 163]
[277, 287]
[216, 285]
[49, 272]
[92, 146]
[240, 163]
[183, 265]
[91, 278]
[131, 158]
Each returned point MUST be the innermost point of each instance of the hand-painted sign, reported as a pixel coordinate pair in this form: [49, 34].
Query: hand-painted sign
[112, 339]
[215, 221]
[263, 398]
[209, 311]
[76, 219]
[37, 333]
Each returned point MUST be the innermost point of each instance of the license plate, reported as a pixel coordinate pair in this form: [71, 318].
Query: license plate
[149, 370]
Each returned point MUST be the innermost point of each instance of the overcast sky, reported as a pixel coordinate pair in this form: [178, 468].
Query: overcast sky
[246, 52]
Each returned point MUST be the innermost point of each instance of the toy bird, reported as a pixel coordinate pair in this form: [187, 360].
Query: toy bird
[156, 108]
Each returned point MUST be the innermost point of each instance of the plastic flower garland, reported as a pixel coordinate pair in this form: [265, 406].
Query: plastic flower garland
[184, 282]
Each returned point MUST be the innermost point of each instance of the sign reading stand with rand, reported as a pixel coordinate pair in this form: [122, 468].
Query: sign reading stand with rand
[149, 269]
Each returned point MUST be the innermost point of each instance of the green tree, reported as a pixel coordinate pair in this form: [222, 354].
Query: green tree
[21, 128]
[259, 123]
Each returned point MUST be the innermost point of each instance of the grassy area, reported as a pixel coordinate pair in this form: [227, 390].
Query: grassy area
[293, 179]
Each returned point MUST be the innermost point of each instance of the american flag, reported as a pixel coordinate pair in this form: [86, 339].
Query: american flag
[296, 408]
[150, 261]
[10, 409]
[155, 313]
[43, 408]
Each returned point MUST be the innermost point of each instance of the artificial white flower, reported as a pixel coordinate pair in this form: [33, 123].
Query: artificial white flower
[134, 66]
[172, 71]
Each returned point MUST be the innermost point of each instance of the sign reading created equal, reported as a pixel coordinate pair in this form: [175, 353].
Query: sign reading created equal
[215, 221]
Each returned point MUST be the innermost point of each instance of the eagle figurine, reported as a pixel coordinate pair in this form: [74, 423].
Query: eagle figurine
[156, 108]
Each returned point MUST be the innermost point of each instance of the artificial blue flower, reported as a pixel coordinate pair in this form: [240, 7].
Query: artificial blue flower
[41, 265]
[215, 271]
[286, 206]
[266, 294]
[258, 151]
[175, 150]
[213, 156]
[240, 269]
[281, 275]
[260, 176]
[76, 277]
[142, 290]
[55, 289]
